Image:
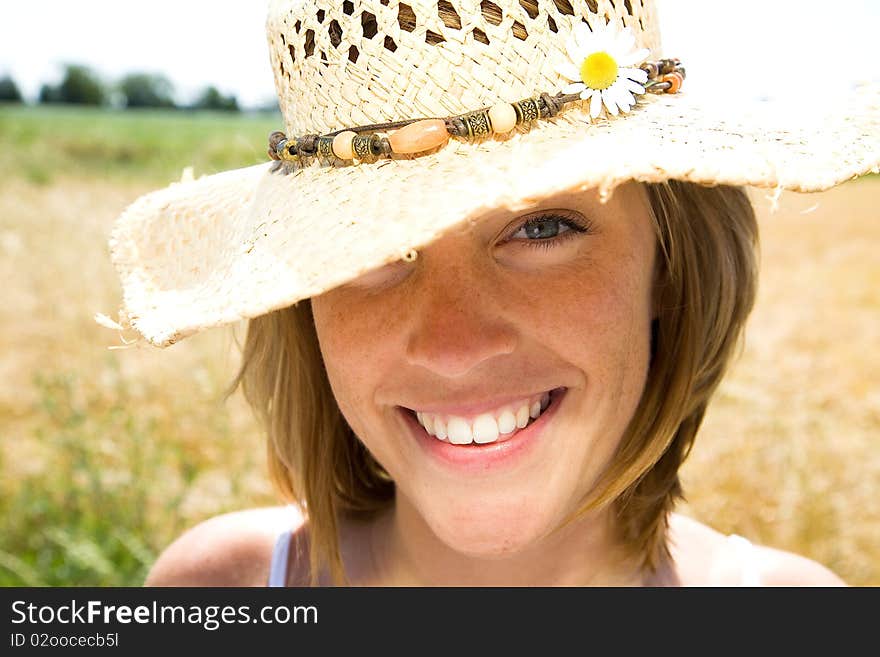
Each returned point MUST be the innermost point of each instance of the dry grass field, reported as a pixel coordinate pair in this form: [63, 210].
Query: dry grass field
[105, 456]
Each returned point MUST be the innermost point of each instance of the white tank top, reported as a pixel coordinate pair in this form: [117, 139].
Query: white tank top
[278, 569]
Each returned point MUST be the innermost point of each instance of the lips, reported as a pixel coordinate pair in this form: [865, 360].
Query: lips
[500, 423]
[475, 457]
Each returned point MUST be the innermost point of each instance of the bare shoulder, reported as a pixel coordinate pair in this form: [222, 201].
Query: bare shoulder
[706, 557]
[233, 549]
[781, 568]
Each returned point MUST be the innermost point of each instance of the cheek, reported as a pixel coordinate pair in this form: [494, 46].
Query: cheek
[595, 314]
[357, 344]
[343, 337]
[601, 323]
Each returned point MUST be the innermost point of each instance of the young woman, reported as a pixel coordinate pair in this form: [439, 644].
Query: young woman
[482, 345]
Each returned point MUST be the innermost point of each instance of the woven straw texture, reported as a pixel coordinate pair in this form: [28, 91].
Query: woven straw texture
[242, 243]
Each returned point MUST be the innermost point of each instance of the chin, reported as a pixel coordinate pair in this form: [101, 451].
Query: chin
[492, 531]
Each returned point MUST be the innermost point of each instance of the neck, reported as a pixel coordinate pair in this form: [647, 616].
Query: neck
[406, 552]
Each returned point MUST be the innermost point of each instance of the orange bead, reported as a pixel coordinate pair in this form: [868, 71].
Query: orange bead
[675, 80]
[419, 136]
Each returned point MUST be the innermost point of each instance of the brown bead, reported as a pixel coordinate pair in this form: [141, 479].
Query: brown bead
[651, 69]
[419, 136]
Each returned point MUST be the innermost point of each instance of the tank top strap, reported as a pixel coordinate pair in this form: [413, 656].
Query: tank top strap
[747, 555]
[278, 569]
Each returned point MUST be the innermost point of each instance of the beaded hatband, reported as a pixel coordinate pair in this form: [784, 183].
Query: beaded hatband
[413, 136]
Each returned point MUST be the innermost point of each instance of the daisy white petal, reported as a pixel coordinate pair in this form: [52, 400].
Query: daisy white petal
[596, 105]
[604, 42]
[574, 88]
[582, 35]
[599, 30]
[608, 99]
[634, 87]
[626, 100]
[568, 70]
[575, 54]
[630, 59]
[625, 41]
[614, 93]
[636, 57]
[586, 94]
[634, 74]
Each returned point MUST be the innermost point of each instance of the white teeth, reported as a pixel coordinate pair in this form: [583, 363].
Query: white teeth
[459, 431]
[485, 429]
[506, 422]
[522, 416]
[535, 409]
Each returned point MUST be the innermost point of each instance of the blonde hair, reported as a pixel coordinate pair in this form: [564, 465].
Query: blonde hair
[707, 245]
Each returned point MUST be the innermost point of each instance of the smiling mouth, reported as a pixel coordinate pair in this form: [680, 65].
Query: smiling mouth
[500, 425]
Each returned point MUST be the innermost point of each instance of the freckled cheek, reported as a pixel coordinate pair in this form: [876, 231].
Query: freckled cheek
[621, 340]
[353, 345]
[601, 325]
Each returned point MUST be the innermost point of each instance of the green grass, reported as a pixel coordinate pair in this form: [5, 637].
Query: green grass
[110, 489]
[102, 465]
[42, 143]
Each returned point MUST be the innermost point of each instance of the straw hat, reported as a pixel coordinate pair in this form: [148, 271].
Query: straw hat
[238, 244]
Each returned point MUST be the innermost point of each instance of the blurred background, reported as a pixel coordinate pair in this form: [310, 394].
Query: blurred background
[107, 455]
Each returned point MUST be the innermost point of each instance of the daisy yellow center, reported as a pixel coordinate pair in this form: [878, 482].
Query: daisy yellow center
[599, 70]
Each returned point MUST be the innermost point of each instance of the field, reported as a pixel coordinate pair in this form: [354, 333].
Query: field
[105, 455]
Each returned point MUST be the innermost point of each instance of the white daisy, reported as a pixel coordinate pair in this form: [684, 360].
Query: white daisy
[602, 66]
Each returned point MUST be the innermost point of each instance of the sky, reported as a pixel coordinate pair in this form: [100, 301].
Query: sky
[803, 46]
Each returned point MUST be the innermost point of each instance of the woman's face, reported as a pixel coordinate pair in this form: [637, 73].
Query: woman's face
[486, 320]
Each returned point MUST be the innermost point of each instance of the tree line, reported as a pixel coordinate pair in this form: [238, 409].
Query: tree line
[80, 85]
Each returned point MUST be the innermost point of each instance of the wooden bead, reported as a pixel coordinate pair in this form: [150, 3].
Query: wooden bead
[503, 117]
[651, 69]
[419, 136]
[674, 80]
[342, 145]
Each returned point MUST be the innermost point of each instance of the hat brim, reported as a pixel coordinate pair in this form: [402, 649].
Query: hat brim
[242, 243]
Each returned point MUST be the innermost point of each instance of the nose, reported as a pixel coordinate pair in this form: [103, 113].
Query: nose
[458, 323]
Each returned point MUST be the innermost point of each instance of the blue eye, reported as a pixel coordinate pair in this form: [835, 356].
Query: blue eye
[547, 231]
